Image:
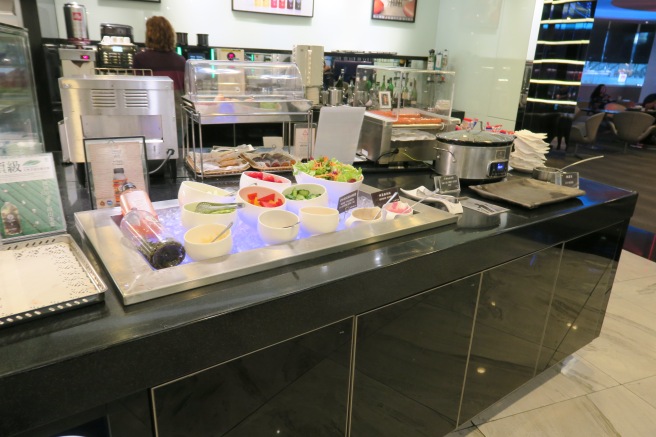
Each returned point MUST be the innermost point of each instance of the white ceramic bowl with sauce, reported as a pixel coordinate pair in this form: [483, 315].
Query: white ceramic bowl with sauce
[191, 191]
[190, 218]
[198, 241]
[316, 189]
[335, 189]
[279, 183]
[277, 226]
[250, 212]
[364, 215]
[319, 219]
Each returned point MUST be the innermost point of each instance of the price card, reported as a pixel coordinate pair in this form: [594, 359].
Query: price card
[379, 198]
[347, 201]
[448, 183]
[569, 179]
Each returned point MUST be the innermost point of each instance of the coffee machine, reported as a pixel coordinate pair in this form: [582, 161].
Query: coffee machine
[116, 48]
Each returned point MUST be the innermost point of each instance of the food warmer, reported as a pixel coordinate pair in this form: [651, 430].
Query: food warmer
[229, 92]
[421, 103]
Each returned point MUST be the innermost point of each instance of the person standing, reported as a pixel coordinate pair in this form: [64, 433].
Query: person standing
[160, 57]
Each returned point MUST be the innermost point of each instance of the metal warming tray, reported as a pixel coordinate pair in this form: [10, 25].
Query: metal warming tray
[136, 281]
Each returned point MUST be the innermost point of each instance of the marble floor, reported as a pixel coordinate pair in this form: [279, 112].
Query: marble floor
[608, 388]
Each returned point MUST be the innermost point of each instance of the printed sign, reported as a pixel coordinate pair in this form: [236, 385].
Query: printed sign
[448, 183]
[29, 196]
[112, 162]
[347, 201]
[570, 179]
[379, 198]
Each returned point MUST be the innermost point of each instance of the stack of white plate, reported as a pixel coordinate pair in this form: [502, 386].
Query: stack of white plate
[529, 151]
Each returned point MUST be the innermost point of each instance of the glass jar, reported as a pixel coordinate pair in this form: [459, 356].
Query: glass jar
[152, 239]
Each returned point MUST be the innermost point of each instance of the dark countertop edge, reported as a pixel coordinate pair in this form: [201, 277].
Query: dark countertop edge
[133, 359]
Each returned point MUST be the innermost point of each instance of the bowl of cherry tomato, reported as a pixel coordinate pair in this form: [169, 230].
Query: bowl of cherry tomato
[258, 199]
[263, 179]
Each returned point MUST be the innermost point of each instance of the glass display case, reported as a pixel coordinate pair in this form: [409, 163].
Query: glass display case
[426, 90]
[20, 124]
[229, 92]
[406, 108]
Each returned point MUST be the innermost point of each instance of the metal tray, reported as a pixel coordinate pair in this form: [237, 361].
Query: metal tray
[137, 281]
[527, 192]
[45, 276]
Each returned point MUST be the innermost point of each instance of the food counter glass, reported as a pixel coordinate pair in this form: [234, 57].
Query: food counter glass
[228, 92]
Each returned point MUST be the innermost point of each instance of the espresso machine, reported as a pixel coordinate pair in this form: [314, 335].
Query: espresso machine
[116, 48]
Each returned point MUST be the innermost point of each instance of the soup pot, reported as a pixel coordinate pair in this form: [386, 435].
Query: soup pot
[473, 156]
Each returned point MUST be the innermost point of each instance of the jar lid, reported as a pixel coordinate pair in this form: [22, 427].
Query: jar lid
[476, 138]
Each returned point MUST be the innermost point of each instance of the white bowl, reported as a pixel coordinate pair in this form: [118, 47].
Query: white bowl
[319, 219]
[396, 209]
[296, 205]
[279, 183]
[335, 189]
[190, 218]
[191, 191]
[364, 215]
[250, 212]
[277, 226]
[198, 241]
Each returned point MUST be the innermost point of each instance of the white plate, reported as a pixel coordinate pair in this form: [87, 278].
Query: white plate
[416, 194]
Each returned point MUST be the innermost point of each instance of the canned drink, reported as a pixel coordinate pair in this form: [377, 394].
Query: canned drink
[75, 16]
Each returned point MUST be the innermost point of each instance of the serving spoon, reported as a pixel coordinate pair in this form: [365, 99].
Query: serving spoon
[222, 232]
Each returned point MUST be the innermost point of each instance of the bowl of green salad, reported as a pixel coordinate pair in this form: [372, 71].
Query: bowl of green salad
[339, 179]
[300, 195]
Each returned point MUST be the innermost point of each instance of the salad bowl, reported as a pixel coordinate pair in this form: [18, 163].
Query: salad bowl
[310, 195]
[338, 179]
[257, 200]
[263, 179]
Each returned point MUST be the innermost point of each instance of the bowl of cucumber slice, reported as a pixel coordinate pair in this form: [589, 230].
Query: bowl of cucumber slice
[301, 195]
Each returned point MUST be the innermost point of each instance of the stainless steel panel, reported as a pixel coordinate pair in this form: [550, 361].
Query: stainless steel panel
[119, 106]
[137, 281]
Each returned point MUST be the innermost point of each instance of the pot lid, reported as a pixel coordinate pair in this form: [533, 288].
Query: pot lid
[476, 138]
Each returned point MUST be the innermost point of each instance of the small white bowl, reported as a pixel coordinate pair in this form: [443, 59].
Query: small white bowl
[364, 215]
[198, 241]
[277, 226]
[296, 205]
[319, 219]
[191, 191]
[396, 209]
[335, 189]
[190, 218]
[278, 183]
[250, 212]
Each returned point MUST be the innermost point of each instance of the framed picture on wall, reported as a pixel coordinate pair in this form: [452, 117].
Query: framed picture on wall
[297, 8]
[394, 10]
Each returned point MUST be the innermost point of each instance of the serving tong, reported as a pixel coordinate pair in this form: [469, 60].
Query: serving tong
[212, 207]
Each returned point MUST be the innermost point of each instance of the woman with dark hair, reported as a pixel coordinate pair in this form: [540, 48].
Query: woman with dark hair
[159, 55]
[599, 99]
[161, 58]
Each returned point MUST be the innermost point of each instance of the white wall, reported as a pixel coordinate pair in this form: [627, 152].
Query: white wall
[487, 42]
[336, 25]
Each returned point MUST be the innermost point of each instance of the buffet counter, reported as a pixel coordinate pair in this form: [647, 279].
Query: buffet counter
[417, 332]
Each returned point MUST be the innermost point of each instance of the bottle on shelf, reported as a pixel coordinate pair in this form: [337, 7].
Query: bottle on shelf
[297, 5]
[290, 4]
[340, 81]
[405, 95]
[274, 3]
[438, 61]
[431, 59]
[445, 59]
[134, 198]
[413, 94]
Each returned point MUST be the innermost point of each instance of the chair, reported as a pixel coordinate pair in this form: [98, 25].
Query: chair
[585, 132]
[632, 127]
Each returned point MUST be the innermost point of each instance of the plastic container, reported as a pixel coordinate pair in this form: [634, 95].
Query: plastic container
[152, 239]
[134, 198]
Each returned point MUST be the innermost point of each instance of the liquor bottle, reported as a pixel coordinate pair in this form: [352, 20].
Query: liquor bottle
[445, 59]
[297, 5]
[390, 86]
[134, 198]
[118, 181]
[438, 61]
[413, 94]
[431, 59]
[340, 81]
[405, 95]
[10, 219]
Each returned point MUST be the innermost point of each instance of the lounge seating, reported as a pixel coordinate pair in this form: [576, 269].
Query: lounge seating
[632, 127]
[585, 132]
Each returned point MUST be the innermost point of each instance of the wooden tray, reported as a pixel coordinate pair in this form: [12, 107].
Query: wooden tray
[260, 166]
[208, 169]
[527, 192]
